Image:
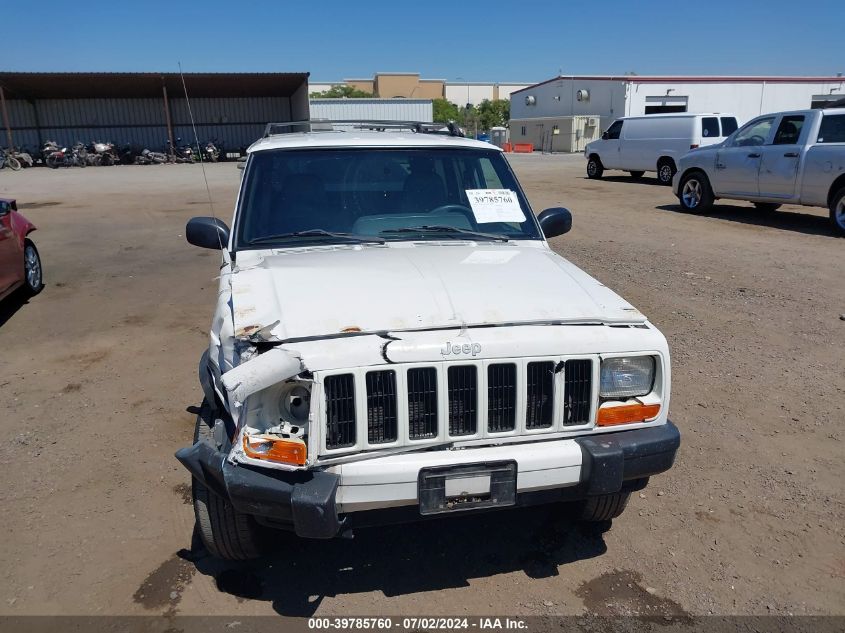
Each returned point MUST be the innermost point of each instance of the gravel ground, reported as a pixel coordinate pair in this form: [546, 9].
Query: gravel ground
[98, 380]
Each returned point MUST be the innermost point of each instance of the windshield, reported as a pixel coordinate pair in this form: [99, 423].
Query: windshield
[291, 197]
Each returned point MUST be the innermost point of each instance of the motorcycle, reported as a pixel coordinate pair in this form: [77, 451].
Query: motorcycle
[54, 157]
[211, 152]
[181, 153]
[146, 157]
[8, 160]
[102, 154]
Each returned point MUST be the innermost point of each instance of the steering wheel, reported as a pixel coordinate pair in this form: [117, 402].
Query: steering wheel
[466, 211]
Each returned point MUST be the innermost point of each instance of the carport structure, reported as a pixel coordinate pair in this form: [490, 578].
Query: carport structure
[147, 109]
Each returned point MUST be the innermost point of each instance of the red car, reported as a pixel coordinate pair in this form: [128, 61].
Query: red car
[20, 264]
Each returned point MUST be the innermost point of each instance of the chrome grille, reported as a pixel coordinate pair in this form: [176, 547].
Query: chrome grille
[381, 407]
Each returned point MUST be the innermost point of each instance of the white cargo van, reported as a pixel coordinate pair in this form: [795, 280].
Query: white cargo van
[655, 142]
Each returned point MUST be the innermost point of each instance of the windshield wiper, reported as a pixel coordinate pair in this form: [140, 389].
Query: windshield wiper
[348, 237]
[455, 231]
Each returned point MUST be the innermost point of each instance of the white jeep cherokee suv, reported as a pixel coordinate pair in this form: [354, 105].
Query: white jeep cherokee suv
[395, 340]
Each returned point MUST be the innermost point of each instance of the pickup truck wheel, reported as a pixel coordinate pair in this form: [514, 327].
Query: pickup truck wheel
[636, 174]
[226, 533]
[665, 171]
[837, 212]
[604, 507]
[768, 207]
[695, 194]
[594, 168]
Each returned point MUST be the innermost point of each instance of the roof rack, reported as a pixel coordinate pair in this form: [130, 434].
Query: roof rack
[327, 125]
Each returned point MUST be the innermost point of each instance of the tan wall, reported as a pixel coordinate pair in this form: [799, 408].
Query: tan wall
[430, 89]
[366, 85]
[389, 86]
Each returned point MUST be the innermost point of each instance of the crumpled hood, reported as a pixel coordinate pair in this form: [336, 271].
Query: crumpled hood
[299, 293]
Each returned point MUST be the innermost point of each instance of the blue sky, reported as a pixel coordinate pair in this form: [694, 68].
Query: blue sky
[477, 41]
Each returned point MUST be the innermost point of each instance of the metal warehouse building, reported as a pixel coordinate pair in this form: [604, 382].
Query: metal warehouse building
[373, 109]
[540, 110]
[147, 108]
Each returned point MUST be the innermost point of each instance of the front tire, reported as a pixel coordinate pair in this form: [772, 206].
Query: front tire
[694, 193]
[594, 168]
[13, 163]
[33, 272]
[604, 507]
[837, 212]
[225, 532]
[767, 207]
[666, 171]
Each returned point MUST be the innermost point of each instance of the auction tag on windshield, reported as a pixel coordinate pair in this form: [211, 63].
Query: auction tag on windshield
[495, 205]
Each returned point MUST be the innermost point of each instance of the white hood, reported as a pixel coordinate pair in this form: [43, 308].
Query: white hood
[323, 291]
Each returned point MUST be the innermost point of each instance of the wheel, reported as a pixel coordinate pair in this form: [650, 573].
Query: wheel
[694, 193]
[594, 168]
[665, 171]
[13, 163]
[636, 174]
[33, 273]
[604, 507]
[837, 211]
[52, 163]
[226, 533]
[767, 206]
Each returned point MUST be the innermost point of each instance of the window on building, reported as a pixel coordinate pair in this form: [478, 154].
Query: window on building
[729, 125]
[709, 127]
[789, 130]
[614, 130]
[832, 129]
[755, 133]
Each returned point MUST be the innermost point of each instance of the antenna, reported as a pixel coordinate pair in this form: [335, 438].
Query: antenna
[199, 153]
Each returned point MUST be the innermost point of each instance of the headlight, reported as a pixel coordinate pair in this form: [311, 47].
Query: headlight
[627, 377]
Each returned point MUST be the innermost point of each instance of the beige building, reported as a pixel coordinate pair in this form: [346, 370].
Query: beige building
[412, 86]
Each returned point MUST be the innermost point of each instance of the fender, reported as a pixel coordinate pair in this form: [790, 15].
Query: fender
[265, 370]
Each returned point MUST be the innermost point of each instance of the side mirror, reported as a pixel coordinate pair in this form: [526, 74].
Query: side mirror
[207, 232]
[555, 221]
[604, 136]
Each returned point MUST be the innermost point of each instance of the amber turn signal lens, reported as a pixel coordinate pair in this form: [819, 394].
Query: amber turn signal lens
[626, 414]
[275, 449]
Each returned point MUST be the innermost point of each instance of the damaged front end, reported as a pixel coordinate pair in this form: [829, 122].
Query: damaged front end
[269, 397]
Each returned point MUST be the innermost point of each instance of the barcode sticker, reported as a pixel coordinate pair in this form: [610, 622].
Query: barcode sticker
[495, 205]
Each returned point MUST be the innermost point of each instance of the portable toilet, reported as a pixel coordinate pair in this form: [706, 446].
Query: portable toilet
[498, 136]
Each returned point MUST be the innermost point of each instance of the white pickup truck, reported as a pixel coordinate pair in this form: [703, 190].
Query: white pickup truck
[782, 158]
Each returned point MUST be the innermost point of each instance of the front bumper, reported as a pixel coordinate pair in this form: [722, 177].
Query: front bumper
[324, 504]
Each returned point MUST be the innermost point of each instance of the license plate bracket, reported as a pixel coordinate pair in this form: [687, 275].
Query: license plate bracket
[467, 487]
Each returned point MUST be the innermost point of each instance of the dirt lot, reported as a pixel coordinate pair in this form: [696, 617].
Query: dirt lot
[98, 374]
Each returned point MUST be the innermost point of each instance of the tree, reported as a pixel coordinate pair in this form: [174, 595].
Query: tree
[494, 113]
[341, 91]
[445, 111]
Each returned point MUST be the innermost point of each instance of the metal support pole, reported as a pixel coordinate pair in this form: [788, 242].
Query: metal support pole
[6, 123]
[167, 118]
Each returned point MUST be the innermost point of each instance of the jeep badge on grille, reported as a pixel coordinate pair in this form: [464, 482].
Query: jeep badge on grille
[461, 349]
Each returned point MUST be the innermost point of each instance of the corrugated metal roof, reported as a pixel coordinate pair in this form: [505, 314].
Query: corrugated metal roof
[139, 85]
